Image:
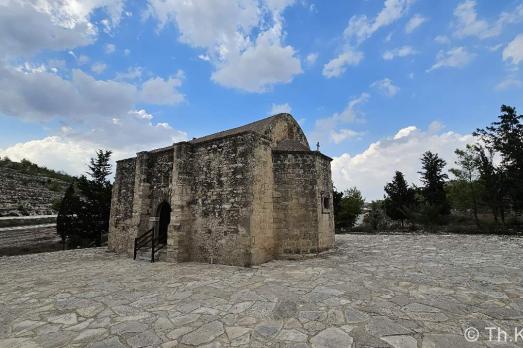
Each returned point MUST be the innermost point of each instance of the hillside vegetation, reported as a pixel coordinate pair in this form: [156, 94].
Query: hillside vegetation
[28, 189]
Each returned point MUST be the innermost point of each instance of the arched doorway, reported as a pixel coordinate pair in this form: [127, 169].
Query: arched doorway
[164, 214]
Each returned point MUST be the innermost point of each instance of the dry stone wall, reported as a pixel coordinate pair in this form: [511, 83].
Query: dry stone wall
[22, 194]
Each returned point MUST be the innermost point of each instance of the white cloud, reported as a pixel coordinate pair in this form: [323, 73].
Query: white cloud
[70, 151]
[414, 23]
[162, 92]
[386, 87]
[344, 134]
[54, 25]
[120, 132]
[456, 57]
[281, 108]
[206, 23]
[442, 39]
[40, 95]
[311, 58]
[399, 52]
[98, 68]
[508, 83]
[243, 39]
[468, 23]
[131, 74]
[109, 49]
[53, 152]
[328, 128]
[374, 167]
[338, 65]
[514, 50]
[44, 95]
[259, 67]
[83, 59]
[360, 28]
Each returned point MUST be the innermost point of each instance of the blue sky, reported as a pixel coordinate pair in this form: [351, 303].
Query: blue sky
[375, 82]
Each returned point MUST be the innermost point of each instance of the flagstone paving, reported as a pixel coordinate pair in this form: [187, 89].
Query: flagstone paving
[371, 291]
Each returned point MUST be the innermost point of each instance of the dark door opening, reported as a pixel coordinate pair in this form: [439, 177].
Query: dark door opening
[164, 213]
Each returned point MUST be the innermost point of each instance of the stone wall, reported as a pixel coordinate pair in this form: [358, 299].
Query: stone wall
[295, 202]
[261, 224]
[122, 205]
[286, 128]
[222, 192]
[234, 199]
[160, 177]
[325, 209]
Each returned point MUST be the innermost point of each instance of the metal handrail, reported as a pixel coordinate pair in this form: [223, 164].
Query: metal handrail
[144, 240]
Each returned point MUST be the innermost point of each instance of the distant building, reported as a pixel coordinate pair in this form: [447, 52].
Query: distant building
[243, 196]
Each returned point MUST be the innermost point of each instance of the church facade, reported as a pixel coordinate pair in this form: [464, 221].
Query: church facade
[242, 197]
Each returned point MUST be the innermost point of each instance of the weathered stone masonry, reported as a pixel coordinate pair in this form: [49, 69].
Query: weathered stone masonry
[240, 197]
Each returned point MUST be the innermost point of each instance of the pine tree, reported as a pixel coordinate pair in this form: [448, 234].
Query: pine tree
[505, 137]
[97, 198]
[467, 173]
[67, 220]
[433, 191]
[400, 198]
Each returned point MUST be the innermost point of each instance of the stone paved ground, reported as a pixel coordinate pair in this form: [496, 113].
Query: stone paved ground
[372, 291]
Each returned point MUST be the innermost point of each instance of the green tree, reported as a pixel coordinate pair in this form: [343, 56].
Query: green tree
[433, 178]
[350, 207]
[67, 220]
[467, 174]
[505, 137]
[376, 215]
[94, 203]
[400, 198]
[494, 182]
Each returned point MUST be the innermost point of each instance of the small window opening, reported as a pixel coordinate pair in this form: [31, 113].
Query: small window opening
[326, 203]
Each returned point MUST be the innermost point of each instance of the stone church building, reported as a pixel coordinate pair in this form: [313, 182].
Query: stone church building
[242, 197]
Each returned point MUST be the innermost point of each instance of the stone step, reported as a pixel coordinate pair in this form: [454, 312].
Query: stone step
[144, 254]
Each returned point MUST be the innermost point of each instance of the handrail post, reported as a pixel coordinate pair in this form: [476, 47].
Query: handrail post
[152, 249]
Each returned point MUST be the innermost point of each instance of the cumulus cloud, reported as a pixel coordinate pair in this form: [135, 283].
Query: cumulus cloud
[399, 52]
[344, 134]
[386, 87]
[514, 50]
[44, 95]
[330, 128]
[338, 65]
[371, 169]
[243, 39]
[456, 57]
[54, 25]
[281, 108]
[414, 23]
[71, 149]
[468, 24]
[162, 91]
[37, 94]
[259, 67]
[360, 28]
